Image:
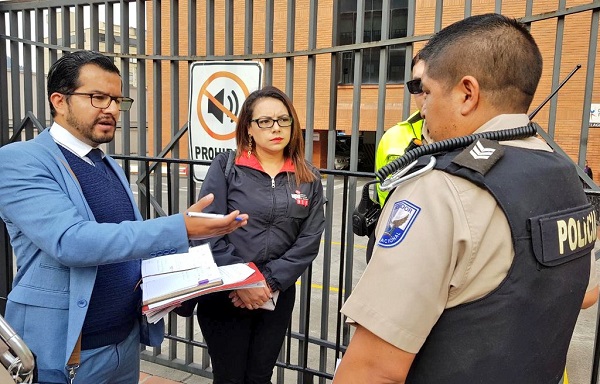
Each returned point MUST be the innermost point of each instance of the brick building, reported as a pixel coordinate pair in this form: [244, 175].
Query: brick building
[569, 101]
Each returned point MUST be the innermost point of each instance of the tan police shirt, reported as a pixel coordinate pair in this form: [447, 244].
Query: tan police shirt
[455, 247]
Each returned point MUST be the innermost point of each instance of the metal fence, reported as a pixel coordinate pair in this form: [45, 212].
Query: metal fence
[154, 43]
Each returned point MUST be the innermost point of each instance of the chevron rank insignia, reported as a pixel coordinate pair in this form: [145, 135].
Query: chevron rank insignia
[480, 156]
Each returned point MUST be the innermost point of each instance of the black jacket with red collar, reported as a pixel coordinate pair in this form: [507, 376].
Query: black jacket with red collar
[285, 222]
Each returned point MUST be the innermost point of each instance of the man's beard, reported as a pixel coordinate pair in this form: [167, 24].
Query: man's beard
[87, 130]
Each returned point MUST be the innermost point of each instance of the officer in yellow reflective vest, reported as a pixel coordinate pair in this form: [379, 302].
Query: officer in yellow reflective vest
[406, 134]
[398, 138]
[394, 143]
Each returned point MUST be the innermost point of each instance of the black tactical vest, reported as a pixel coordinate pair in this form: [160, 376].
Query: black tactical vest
[520, 332]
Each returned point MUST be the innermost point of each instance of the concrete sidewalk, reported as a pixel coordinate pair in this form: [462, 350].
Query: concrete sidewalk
[151, 373]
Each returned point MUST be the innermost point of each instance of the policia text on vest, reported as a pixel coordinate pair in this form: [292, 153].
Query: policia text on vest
[575, 233]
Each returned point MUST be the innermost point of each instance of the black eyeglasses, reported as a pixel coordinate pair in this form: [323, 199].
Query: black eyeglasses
[414, 86]
[267, 122]
[102, 101]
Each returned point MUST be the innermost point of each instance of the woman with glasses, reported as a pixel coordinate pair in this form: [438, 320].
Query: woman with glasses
[282, 193]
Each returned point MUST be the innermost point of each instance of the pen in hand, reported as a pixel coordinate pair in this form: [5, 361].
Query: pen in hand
[209, 215]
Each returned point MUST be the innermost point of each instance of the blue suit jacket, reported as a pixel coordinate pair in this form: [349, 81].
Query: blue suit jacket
[58, 246]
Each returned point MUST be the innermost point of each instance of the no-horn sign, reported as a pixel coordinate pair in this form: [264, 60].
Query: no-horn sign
[217, 91]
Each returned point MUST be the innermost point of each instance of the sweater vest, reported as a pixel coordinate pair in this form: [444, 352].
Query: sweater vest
[114, 304]
[519, 332]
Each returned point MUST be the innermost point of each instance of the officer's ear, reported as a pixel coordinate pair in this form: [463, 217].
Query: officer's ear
[470, 92]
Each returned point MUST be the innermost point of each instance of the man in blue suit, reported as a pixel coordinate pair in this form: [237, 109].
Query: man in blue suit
[78, 236]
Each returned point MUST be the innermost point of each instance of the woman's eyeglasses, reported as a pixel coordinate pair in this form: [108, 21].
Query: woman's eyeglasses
[267, 122]
[414, 86]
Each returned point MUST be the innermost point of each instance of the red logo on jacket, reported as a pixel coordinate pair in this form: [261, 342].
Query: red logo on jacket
[301, 198]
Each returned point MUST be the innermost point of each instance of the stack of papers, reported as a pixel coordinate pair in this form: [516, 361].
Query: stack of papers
[168, 281]
[168, 276]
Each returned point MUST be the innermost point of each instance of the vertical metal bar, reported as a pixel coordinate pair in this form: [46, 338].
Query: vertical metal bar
[6, 261]
[290, 46]
[408, 49]
[27, 71]
[6, 255]
[125, 120]
[285, 352]
[4, 121]
[210, 51]
[304, 312]
[269, 16]
[157, 112]
[52, 34]
[329, 192]
[229, 27]
[40, 85]
[249, 27]
[15, 71]
[356, 101]
[210, 28]
[310, 79]
[498, 6]
[468, 8]
[528, 7]
[140, 66]
[191, 28]
[558, 48]
[95, 28]
[439, 9]
[109, 46]
[589, 91]
[65, 27]
[383, 74]
[172, 323]
[209, 36]
[189, 334]
[175, 102]
[192, 51]
[303, 326]
[79, 27]
[344, 273]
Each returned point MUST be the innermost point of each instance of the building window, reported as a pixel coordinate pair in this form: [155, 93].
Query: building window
[372, 32]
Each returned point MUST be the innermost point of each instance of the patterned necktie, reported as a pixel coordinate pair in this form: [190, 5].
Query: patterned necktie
[96, 156]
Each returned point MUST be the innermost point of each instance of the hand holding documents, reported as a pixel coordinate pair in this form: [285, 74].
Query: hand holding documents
[174, 275]
[173, 279]
[270, 304]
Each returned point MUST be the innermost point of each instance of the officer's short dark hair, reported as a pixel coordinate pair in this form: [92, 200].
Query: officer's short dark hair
[498, 51]
[63, 76]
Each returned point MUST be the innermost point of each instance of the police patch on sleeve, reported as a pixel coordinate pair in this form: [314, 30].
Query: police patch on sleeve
[401, 218]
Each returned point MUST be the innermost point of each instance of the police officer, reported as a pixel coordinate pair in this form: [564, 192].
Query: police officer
[398, 138]
[401, 137]
[480, 265]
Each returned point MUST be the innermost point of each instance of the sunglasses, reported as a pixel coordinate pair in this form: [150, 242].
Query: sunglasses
[414, 86]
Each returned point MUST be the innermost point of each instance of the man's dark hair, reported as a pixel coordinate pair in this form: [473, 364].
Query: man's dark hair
[498, 51]
[63, 76]
[415, 60]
